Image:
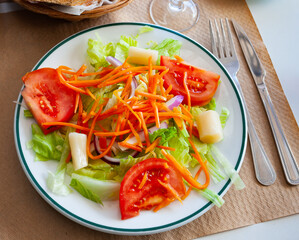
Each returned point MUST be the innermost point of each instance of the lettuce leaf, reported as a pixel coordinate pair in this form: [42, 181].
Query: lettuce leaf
[27, 114]
[66, 149]
[145, 29]
[104, 173]
[211, 105]
[228, 168]
[55, 183]
[126, 164]
[211, 196]
[195, 111]
[181, 153]
[47, 147]
[213, 167]
[122, 47]
[97, 52]
[164, 133]
[168, 47]
[224, 116]
[94, 189]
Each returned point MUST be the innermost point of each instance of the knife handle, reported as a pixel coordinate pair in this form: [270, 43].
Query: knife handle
[288, 161]
[264, 170]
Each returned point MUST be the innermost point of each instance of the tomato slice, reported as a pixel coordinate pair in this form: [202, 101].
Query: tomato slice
[48, 99]
[133, 197]
[201, 84]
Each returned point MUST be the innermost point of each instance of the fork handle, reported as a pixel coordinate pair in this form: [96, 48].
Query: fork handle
[288, 161]
[264, 170]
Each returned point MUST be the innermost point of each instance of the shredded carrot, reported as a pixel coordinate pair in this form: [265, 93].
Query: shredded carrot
[171, 190]
[90, 93]
[148, 143]
[67, 124]
[162, 87]
[170, 115]
[81, 70]
[187, 91]
[91, 133]
[201, 162]
[143, 181]
[151, 96]
[115, 81]
[109, 134]
[190, 188]
[77, 102]
[127, 87]
[65, 83]
[135, 134]
[185, 172]
[126, 104]
[131, 146]
[153, 145]
[104, 71]
[179, 58]
[154, 84]
[163, 204]
[93, 108]
[163, 73]
[186, 111]
[156, 112]
[178, 120]
[168, 90]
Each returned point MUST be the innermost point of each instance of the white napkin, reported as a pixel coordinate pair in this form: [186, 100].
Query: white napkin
[77, 10]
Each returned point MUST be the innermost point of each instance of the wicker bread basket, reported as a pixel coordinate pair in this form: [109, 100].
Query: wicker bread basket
[94, 13]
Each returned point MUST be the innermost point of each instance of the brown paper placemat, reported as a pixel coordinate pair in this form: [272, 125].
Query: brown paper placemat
[26, 37]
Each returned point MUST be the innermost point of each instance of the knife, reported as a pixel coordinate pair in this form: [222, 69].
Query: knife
[258, 72]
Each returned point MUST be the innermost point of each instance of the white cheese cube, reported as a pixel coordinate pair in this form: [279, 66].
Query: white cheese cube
[141, 56]
[78, 150]
[209, 127]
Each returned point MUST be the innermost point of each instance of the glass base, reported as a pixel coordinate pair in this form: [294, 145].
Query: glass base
[179, 15]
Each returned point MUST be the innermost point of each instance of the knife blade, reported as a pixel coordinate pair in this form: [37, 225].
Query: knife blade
[258, 73]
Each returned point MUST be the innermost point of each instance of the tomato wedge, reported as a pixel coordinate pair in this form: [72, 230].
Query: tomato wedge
[141, 187]
[201, 84]
[48, 99]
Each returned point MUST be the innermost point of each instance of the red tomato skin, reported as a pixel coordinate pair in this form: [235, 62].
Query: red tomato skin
[47, 98]
[175, 77]
[152, 193]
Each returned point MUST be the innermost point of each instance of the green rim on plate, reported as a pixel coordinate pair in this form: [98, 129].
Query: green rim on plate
[96, 226]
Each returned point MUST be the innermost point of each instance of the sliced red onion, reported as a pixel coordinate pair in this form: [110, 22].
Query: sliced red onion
[113, 61]
[134, 85]
[133, 140]
[106, 158]
[175, 101]
[91, 146]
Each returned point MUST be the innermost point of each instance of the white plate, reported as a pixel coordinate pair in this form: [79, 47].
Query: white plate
[72, 52]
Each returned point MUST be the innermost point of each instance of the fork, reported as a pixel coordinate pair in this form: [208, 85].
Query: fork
[223, 48]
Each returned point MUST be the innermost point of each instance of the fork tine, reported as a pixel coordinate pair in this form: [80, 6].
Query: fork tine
[214, 48]
[231, 43]
[219, 42]
[226, 49]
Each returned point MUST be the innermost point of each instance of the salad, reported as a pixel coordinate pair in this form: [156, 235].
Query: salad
[133, 124]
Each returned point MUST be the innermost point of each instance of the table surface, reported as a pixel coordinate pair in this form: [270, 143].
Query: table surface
[277, 21]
